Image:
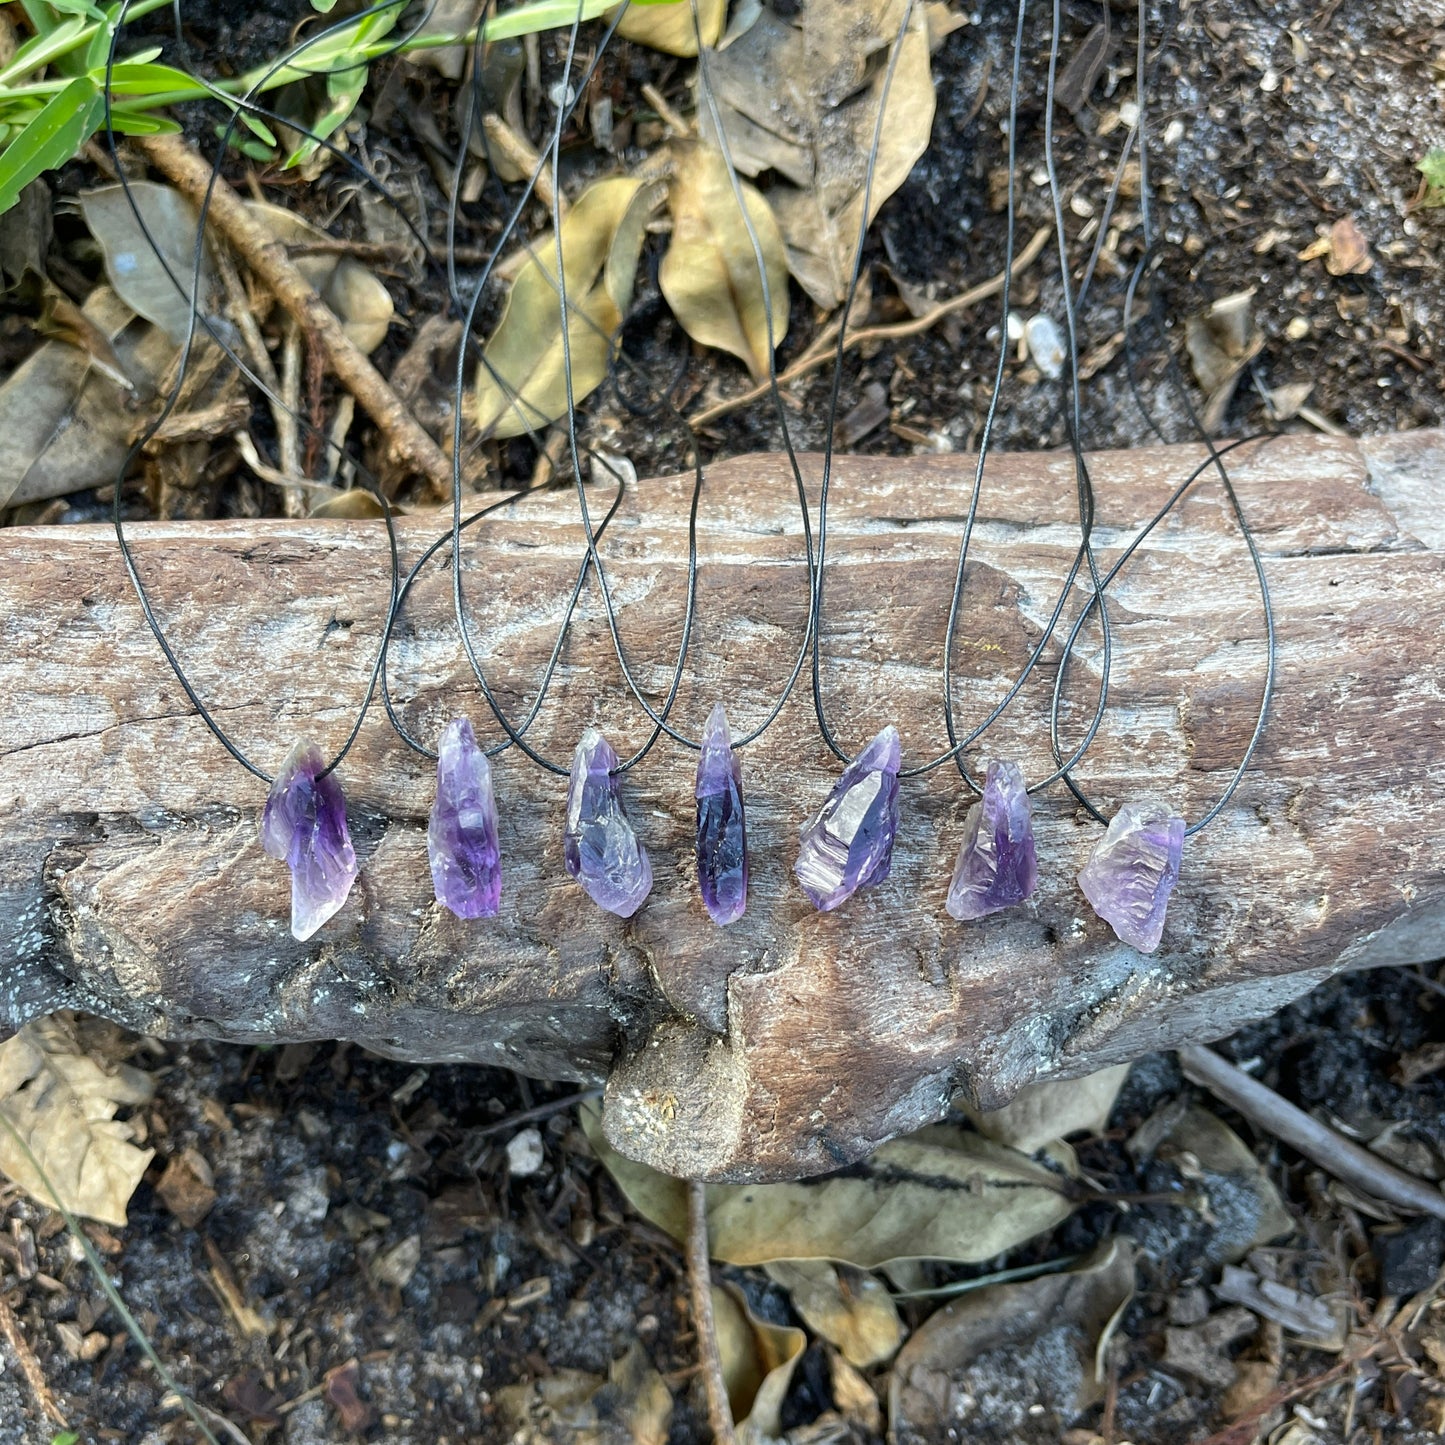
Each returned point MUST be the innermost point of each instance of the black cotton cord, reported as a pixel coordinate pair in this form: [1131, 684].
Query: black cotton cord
[819, 710]
[659, 719]
[172, 399]
[1085, 488]
[547, 674]
[1215, 460]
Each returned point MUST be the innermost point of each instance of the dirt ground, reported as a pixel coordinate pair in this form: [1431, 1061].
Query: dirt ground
[373, 1269]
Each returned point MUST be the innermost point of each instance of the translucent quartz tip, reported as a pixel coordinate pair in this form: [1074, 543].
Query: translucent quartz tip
[849, 845]
[1133, 870]
[461, 839]
[599, 847]
[304, 825]
[997, 865]
[722, 844]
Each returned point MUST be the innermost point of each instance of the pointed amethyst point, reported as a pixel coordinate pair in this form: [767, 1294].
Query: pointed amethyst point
[600, 849]
[997, 865]
[1133, 870]
[304, 824]
[722, 844]
[461, 839]
[849, 845]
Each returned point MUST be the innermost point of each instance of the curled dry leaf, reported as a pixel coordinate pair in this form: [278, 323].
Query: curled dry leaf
[1042, 1342]
[757, 1364]
[521, 380]
[851, 1310]
[361, 303]
[802, 98]
[1247, 1208]
[1054, 1109]
[632, 1404]
[669, 26]
[942, 1194]
[64, 424]
[60, 1105]
[710, 275]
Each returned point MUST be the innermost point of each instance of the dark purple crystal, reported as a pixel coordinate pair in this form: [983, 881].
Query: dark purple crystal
[1133, 870]
[997, 865]
[599, 847]
[849, 845]
[722, 844]
[304, 824]
[461, 839]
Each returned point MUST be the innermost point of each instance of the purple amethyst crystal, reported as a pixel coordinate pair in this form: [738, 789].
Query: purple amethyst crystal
[304, 824]
[997, 866]
[722, 843]
[849, 845]
[1133, 870]
[600, 849]
[461, 839]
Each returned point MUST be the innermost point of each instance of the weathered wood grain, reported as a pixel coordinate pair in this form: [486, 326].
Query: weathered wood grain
[131, 882]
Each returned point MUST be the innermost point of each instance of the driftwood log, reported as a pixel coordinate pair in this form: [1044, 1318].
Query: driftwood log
[132, 884]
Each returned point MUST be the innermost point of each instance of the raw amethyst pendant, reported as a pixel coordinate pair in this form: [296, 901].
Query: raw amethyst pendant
[997, 865]
[461, 839]
[722, 843]
[599, 847]
[1133, 870]
[849, 845]
[304, 824]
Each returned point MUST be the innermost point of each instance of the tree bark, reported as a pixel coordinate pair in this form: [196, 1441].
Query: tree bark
[132, 884]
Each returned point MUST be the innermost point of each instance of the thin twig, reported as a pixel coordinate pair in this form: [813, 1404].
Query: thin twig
[288, 414]
[1330, 1150]
[822, 348]
[522, 155]
[699, 1279]
[29, 1366]
[408, 443]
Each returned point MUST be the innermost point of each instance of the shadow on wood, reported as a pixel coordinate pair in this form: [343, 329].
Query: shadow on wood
[132, 884]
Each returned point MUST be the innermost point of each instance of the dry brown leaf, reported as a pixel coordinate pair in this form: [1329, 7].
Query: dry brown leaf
[151, 261]
[521, 380]
[802, 98]
[757, 1364]
[1052, 1110]
[63, 425]
[941, 1194]
[710, 275]
[61, 1104]
[1029, 1329]
[1221, 343]
[1349, 252]
[361, 303]
[851, 1310]
[669, 26]
[631, 1406]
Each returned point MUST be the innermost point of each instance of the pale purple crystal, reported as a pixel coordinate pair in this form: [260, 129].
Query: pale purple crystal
[599, 847]
[461, 838]
[1133, 870]
[997, 865]
[304, 824]
[722, 844]
[849, 845]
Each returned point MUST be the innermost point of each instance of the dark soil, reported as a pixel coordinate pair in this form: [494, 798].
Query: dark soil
[364, 1211]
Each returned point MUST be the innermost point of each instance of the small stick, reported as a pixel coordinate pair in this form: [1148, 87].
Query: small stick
[408, 444]
[288, 430]
[1327, 1148]
[29, 1365]
[523, 155]
[699, 1278]
[823, 346]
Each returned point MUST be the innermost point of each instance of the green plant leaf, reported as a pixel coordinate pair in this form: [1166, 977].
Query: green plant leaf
[79, 7]
[140, 77]
[51, 139]
[41, 49]
[66, 1437]
[1432, 166]
[126, 120]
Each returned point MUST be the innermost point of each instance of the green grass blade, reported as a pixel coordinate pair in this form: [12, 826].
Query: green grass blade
[51, 139]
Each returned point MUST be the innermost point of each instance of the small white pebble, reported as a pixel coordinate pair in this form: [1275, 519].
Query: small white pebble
[525, 1155]
[1046, 346]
